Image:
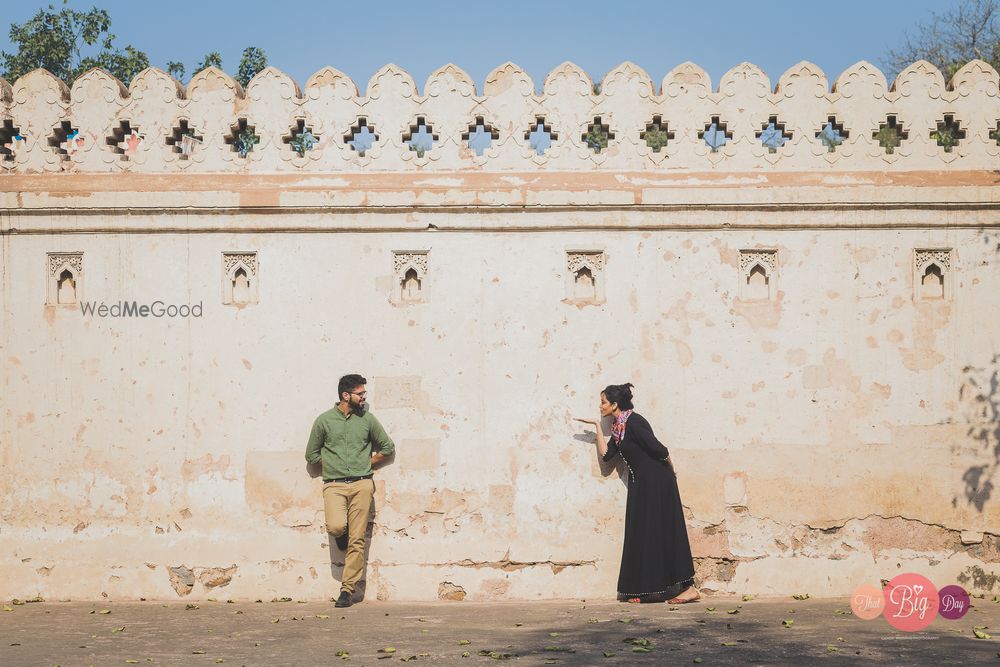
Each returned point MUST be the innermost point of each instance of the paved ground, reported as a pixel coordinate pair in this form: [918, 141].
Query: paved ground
[463, 633]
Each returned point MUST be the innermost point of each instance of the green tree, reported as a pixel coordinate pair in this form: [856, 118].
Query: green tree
[123, 65]
[253, 61]
[57, 41]
[950, 39]
[176, 69]
[212, 59]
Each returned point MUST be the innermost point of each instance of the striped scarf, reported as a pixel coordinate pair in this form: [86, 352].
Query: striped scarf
[618, 428]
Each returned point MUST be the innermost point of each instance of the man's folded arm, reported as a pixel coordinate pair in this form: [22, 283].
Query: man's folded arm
[380, 438]
[316, 437]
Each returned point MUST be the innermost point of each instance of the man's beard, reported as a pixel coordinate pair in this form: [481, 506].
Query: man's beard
[358, 408]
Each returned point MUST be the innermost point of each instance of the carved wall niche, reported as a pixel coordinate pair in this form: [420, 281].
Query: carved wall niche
[758, 274]
[932, 275]
[410, 270]
[585, 276]
[64, 278]
[240, 277]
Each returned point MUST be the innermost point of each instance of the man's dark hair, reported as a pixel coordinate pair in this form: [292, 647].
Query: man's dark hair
[620, 394]
[348, 383]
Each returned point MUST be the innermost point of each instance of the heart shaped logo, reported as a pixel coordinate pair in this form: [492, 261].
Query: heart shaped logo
[911, 602]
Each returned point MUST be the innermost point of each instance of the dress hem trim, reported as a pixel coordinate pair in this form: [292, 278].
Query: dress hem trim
[639, 595]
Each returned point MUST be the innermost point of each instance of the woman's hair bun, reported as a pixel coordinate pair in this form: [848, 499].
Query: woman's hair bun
[620, 394]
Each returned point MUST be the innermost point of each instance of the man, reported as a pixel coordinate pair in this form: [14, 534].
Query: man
[342, 438]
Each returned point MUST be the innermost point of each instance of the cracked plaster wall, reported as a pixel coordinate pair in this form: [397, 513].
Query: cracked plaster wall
[823, 439]
[836, 435]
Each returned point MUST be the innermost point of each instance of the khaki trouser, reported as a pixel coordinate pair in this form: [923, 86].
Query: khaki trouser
[348, 506]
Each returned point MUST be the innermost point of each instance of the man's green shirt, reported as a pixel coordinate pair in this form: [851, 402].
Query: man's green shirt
[344, 444]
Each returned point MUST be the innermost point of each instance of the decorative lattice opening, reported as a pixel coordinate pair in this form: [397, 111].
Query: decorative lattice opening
[124, 140]
[598, 135]
[480, 136]
[948, 133]
[995, 133]
[758, 274]
[64, 278]
[361, 137]
[11, 140]
[585, 276]
[66, 139]
[421, 137]
[716, 134]
[239, 278]
[301, 138]
[657, 134]
[242, 137]
[540, 136]
[410, 268]
[773, 135]
[932, 273]
[890, 134]
[832, 134]
[183, 138]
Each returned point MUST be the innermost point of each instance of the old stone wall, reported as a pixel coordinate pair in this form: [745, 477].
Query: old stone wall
[812, 331]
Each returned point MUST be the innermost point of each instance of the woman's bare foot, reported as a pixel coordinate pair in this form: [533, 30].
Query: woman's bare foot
[633, 600]
[689, 594]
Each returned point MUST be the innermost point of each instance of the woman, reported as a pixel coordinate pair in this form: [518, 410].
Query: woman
[656, 556]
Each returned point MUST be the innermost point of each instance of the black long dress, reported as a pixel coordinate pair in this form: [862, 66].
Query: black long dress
[656, 556]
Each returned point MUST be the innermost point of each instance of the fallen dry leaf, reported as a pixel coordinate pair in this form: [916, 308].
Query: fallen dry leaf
[496, 655]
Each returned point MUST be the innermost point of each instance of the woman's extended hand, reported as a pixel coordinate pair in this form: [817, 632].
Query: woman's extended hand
[602, 447]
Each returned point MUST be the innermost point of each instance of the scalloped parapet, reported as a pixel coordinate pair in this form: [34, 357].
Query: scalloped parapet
[746, 123]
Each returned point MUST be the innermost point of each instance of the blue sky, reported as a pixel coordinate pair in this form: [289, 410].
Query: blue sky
[359, 37]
